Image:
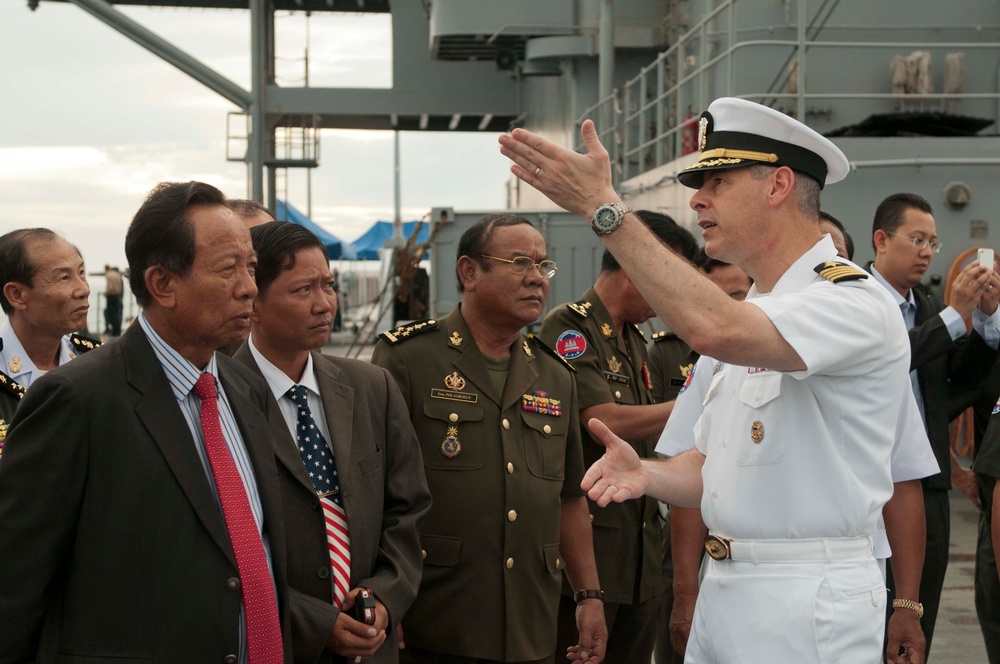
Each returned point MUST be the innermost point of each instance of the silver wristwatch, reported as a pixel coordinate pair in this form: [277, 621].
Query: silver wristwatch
[608, 218]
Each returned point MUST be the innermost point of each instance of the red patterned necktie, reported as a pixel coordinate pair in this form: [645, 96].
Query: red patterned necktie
[322, 468]
[259, 603]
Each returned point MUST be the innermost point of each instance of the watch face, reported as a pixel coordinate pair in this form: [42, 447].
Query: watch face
[606, 218]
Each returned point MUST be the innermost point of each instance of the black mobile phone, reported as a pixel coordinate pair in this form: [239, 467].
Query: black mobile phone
[364, 607]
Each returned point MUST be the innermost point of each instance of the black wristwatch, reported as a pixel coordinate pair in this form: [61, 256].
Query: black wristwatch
[608, 218]
[581, 595]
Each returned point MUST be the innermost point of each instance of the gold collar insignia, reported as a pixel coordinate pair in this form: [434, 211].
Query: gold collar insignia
[606, 329]
[15, 364]
[455, 339]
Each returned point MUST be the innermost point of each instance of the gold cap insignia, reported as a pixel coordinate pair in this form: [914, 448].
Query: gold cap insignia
[614, 364]
[454, 382]
[606, 330]
[450, 447]
[455, 339]
[15, 364]
[527, 351]
[757, 431]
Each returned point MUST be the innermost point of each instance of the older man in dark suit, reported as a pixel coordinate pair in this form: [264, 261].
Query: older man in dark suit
[140, 516]
[350, 466]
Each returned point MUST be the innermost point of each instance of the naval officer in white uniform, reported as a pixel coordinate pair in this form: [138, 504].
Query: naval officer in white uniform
[792, 458]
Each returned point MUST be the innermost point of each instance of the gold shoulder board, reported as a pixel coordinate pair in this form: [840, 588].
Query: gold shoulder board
[404, 332]
[635, 328]
[538, 342]
[83, 344]
[837, 272]
[581, 308]
[11, 386]
[663, 336]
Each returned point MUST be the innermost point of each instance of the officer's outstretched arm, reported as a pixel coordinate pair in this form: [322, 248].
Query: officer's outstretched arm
[621, 475]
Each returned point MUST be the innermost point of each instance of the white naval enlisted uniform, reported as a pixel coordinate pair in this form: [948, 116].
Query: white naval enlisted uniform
[802, 456]
[14, 361]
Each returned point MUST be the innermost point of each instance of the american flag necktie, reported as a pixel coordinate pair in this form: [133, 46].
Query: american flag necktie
[260, 606]
[322, 468]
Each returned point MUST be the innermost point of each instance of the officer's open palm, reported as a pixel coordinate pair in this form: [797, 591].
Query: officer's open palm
[618, 475]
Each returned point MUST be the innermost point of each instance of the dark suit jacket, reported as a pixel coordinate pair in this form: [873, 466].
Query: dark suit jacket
[385, 494]
[113, 546]
[944, 368]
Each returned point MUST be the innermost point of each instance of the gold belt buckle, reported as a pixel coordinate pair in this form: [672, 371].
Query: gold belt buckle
[718, 547]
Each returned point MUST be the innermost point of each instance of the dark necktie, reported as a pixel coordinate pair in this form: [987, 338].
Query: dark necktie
[319, 462]
[259, 603]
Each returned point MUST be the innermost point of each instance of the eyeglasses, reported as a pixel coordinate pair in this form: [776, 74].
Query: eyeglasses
[933, 245]
[524, 265]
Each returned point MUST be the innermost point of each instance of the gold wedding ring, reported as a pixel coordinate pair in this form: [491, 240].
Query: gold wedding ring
[537, 171]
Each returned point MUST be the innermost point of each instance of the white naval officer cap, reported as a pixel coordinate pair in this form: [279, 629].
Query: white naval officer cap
[734, 133]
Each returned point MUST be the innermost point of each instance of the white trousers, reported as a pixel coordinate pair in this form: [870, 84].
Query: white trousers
[795, 613]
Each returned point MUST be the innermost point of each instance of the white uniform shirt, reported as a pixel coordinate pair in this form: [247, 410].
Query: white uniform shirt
[821, 466]
[15, 362]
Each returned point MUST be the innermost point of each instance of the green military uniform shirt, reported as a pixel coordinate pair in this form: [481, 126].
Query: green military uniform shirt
[671, 361]
[628, 543]
[498, 466]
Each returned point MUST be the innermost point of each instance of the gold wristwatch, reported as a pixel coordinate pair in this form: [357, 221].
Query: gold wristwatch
[910, 604]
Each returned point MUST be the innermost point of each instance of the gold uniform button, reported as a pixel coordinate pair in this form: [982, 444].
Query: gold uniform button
[547, 429]
[453, 417]
[591, 517]
[510, 468]
[558, 563]
[510, 563]
[423, 554]
[506, 423]
[618, 394]
[512, 515]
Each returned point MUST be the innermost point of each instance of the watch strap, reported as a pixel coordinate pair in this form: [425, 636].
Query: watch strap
[910, 604]
[581, 595]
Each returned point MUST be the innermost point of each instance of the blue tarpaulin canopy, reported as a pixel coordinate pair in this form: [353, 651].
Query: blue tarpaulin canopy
[367, 246]
[336, 247]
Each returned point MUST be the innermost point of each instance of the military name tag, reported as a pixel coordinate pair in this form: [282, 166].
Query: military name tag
[616, 378]
[454, 396]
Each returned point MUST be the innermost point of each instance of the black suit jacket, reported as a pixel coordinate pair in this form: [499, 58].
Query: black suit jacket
[113, 546]
[385, 494]
[944, 368]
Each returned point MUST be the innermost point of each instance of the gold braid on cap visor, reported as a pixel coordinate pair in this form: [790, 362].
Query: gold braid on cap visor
[723, 153]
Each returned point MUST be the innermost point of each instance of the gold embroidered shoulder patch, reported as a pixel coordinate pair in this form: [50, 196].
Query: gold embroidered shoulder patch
[11, 386]
[581, 308]
[538, 342]
[83, 344]
[404, 332]
[837, 272]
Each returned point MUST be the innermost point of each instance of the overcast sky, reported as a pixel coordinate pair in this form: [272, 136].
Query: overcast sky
[90, 122]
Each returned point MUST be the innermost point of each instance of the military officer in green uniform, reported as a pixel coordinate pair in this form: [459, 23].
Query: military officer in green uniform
[599, 337]
[43, 292]
[671, 359]
[496, 415]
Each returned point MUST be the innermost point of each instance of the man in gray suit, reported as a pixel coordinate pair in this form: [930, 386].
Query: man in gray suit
[354, 493]
[140, 517]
